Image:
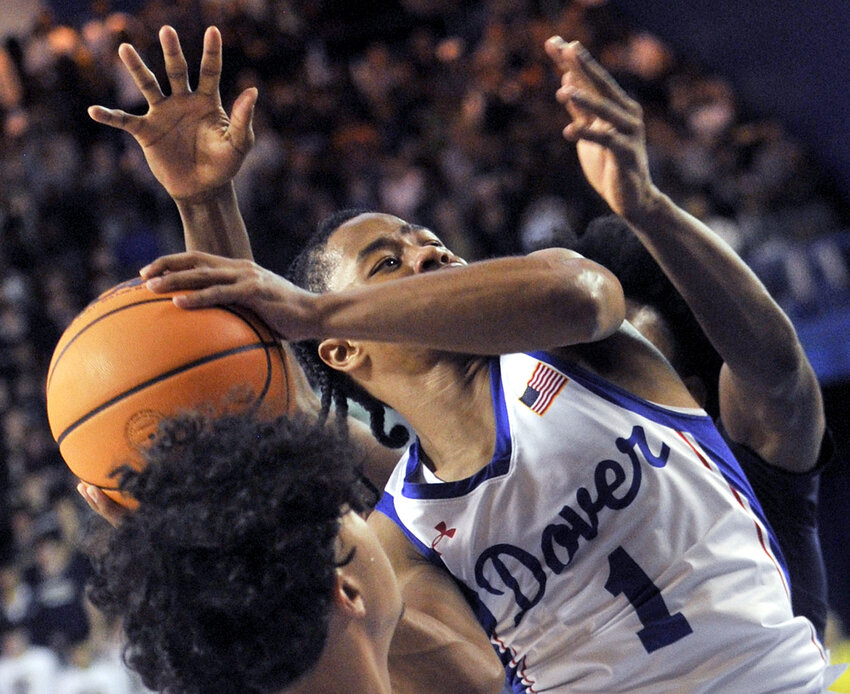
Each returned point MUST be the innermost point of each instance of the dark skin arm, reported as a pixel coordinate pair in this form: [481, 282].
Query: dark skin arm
[547, 299]
[194, 149]
[439, 647]
[770, 399]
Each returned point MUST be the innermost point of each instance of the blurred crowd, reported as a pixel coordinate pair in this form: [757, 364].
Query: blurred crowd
[443, 113]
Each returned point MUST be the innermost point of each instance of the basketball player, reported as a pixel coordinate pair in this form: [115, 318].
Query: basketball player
[246, 568]
[591, 513]
[776, 423]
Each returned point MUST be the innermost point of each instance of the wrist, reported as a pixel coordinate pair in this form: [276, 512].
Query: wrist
[652, 208]
[212, 223]
[213, 196]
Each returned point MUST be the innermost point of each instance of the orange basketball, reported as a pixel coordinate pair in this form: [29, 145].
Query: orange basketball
[132, 358]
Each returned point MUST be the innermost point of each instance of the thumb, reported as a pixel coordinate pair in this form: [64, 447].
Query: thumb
[242, 120]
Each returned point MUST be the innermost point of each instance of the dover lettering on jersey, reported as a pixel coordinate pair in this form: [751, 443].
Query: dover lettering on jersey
[616, 485]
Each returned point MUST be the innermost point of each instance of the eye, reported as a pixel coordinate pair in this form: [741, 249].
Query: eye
[386, 263]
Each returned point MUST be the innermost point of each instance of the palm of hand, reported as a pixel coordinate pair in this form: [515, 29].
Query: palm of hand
[186, 142]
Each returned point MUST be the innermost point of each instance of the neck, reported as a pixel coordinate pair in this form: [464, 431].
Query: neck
[450, 409]
[350, 663]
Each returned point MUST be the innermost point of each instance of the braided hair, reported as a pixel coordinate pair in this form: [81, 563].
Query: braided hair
[311, 270]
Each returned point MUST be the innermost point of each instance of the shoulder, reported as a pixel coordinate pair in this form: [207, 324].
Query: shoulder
[403, 556]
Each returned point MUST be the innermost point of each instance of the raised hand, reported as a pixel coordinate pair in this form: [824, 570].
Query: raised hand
[607, 126]
[190, 143]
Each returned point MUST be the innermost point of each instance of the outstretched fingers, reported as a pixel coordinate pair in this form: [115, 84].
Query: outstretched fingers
[175, 62]
[241, 120]
[144, 79]
[210, 74]
[554, 47]
[101, 504]
[198, 280]
[116, 118]
[599, 77]
[204, 284]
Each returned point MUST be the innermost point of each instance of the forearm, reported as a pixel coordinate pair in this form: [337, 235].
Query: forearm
[428, 658]
[214, 224]
[374, 459]
[438, 646]
[745, 325]
[547, 299]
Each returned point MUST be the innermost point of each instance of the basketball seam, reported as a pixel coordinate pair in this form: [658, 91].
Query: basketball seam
[268, 384]
[95, 322]
[166, 375]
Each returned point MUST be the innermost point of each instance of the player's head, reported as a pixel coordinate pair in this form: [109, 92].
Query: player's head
[351, 248]
[654, 305]
[245, 558]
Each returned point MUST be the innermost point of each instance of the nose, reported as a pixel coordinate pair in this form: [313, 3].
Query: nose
[430, 258]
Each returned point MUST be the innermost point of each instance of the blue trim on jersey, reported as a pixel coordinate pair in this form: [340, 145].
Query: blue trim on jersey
[386, 505]
[499, 465]
[623, 398]
[700, 426]
[514, 683]
[500, 410]
[485, 618]
[735, 476]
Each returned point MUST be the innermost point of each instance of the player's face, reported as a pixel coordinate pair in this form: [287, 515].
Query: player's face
[378, 582]
[379, 247]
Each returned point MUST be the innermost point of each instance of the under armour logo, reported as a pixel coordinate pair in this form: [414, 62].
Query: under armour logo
[444, 531]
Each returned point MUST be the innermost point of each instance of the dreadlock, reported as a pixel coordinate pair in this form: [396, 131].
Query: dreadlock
[311, 270]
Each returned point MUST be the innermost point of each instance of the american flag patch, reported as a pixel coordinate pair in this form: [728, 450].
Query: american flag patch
[542, 388]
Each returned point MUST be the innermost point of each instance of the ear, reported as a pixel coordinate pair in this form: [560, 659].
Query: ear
[341, 355]
[348, 597]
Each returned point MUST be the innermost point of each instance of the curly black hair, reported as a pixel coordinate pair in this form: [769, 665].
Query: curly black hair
[311, 270]
[223, 576]
[609, 241]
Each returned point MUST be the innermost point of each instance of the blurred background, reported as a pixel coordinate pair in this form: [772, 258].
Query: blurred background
[440, 112]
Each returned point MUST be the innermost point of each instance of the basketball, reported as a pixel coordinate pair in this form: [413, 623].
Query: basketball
[132, 358]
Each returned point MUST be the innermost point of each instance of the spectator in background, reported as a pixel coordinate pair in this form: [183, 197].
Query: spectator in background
[60, 572]
[25, 667]
[14, 117]
[85, 672]
[16, 597]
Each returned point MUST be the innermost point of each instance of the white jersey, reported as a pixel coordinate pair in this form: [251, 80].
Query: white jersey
[611, 545]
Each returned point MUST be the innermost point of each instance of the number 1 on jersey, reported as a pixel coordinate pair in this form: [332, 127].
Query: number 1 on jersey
[660, 628]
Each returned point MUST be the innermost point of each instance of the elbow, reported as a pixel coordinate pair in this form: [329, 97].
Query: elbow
[591, 296]
[481, 673]
[489, 679]
[493, 678]
[608, 302]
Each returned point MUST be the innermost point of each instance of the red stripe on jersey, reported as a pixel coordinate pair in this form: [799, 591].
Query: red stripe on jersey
[738, 498]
